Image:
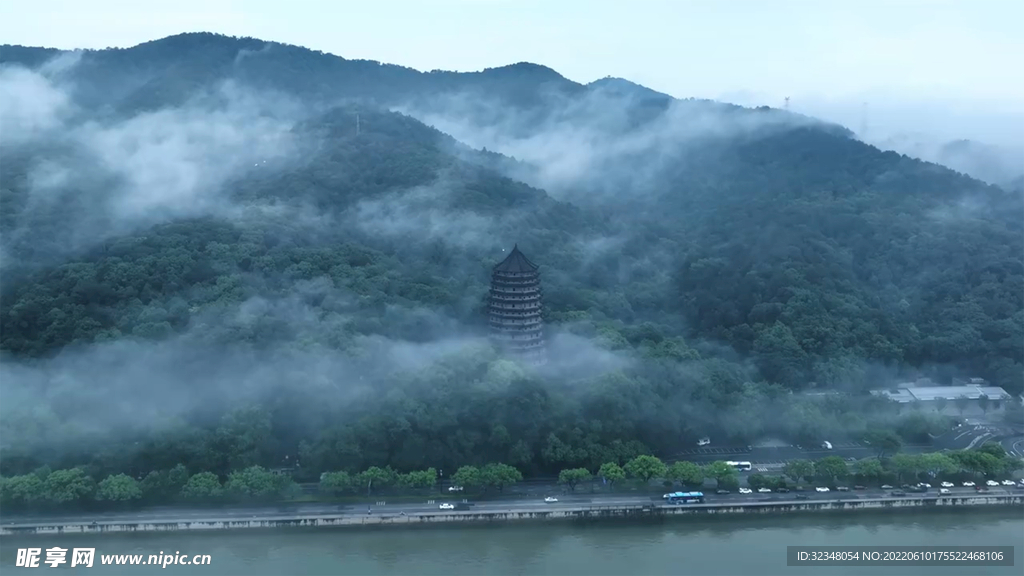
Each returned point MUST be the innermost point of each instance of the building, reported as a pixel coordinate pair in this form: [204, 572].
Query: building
[514, 308]
[962, 399]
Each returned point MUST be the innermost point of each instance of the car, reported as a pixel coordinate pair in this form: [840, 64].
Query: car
[455, 488]
[782, 489]
[842, 488]
[898, 493]
[704, 441]
[886, 487]
[943, 491]
[1009, 483]
[923, 485]
[821, 489]
[746, 491]
[550, 499]
[968, 484]
[764, 490]
[447, 506]
[947, 484]
[720, 491]
[802, 496]
[859, 487]
[981, 489]
[992, 483]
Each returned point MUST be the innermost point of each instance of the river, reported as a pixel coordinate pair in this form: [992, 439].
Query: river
[706, 546]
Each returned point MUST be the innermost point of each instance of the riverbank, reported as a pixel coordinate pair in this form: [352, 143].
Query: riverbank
[647, 511]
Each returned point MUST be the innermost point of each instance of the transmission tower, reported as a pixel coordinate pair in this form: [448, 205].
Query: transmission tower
[787, 102]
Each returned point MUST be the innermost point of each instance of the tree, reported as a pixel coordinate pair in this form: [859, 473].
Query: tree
[870, 469]
[797, 469]
[884, 442]
[961, 403]
[611, 472]
[731, 483]
[468, 477]
[645, 467]
[118, 488]
[720, 471]
[830, 468]
[419, 478]
[685, 472]
[203, 486]
[983, 402]
[940, 403]
[757, 481]
[993, 448]
[376, 477]
[24, 490]
[499, 475]
[68, 486]
[937, 464]
[573, 476]
[905, 465]
[257, 483]
[335, 483]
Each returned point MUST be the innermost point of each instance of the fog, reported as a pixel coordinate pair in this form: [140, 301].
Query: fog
[332, 350]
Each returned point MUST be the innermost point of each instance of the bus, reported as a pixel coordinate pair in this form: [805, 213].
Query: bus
[741, 466]
[685, 497]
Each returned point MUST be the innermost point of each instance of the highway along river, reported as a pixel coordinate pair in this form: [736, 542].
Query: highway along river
[697, 546]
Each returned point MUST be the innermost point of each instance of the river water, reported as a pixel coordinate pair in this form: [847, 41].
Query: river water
[706, 546]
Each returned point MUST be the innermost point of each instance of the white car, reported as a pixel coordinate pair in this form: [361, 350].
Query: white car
[992, 483]
[550, 499]
[746, 491]
[1009, 483]
[821, 489]
[447, 506]
[947, 484]
[943, 491]
[968, 484]
[455, 488]
[764, 490]
[923, 485]
[665, 496]
[704, 441]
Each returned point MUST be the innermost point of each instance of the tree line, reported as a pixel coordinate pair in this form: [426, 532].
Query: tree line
[44, 489]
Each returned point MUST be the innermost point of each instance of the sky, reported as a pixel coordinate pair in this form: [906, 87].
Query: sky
[853, 61]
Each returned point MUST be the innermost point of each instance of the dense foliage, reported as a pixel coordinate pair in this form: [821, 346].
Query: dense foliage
[318, 306]
[44, 489]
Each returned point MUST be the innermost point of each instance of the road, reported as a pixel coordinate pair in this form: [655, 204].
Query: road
[430, 506]
[768, 459]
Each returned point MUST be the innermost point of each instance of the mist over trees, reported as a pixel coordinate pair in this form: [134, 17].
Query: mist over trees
[223, 253]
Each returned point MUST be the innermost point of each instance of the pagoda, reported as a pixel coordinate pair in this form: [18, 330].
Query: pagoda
[515, 306]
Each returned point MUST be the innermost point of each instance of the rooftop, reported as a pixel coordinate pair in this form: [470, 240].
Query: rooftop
[929, 393]
[516, 262]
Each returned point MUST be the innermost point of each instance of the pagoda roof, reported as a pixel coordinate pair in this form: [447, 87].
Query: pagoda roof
[515, 262]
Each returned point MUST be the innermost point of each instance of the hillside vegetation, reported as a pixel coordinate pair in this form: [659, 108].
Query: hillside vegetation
[224, 253]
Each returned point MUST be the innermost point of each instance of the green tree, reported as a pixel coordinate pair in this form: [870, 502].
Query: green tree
[68, 486]
[797, 469]
[25, 490]
[936, 463]
[869, 468]
[376, 477]
[905, 465]
[203, 486]
[757, 481]
[884, 442]
[468, 477]
[573, 476]
[499, 476]
[983, 402]
[719, 471]
[645, 467]
[118, 488]
[685, 472]
[335, 483]
[962, 402]
[830, 468]
[940, 403]
[419, 478]
[612, 472]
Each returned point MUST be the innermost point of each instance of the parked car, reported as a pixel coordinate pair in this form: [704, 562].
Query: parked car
[886, 487]
[720, 491]
[447, 506]
[746, 491]
[455, 488]
[947, 484]
[821, 489]
[968, 484]
[764, 490]
[551, 499]
[943, 491]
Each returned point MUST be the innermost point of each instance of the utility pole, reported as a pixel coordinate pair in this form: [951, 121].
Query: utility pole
[357, 123]
[787, 103]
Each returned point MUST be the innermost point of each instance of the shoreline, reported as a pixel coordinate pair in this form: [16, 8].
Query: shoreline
[578, 513]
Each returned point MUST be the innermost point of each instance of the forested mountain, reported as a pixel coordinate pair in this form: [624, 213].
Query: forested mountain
[224, 252]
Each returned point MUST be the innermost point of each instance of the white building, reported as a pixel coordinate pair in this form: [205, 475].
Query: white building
[947, 397]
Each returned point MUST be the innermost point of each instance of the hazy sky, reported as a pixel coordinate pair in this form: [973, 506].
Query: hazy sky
[957, 57]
